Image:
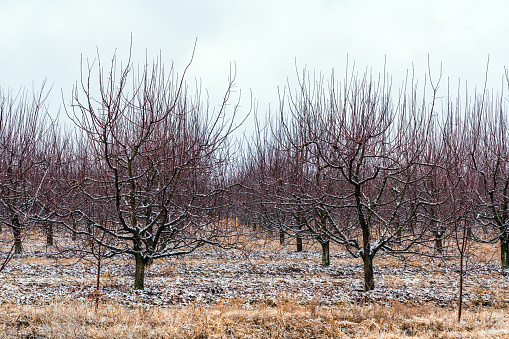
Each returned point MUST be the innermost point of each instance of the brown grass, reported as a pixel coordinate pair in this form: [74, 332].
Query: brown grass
[284, 318]
[233, 320]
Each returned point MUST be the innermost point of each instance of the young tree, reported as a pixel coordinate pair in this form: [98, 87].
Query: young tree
[490, 160]
[22, 166]
[153, 153]
[456, 213]
[370, 148]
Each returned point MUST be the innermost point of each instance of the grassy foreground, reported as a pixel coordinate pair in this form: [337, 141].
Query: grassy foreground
[63, 291]
[233, 320]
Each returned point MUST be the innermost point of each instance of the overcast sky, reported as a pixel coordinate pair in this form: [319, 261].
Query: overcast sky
[265, 39]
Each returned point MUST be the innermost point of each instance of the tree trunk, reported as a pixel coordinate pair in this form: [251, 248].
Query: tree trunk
[139, 274]
[49, 233]
[460, 301]
[325, 253]
[98, 283]
[398, 235]
[281, 238]
[324, 239]
[367, 256]
[469, 232]
[504, 251]
[270, 234]
[369, 282]
[16, 232]
[74, 233]
[438, 241]
[98, 280]
[18, 246]
[299, 244]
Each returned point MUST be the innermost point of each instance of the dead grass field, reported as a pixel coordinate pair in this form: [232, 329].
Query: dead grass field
[233, 320]
[265, 291]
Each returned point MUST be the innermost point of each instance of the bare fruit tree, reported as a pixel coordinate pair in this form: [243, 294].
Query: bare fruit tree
[154, 153]
[363, 159]
[490, 160]
[22, 166]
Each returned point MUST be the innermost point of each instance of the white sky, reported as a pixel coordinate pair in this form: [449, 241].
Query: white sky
[264, 38]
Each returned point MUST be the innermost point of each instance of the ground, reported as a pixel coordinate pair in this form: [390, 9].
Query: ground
[262, 291]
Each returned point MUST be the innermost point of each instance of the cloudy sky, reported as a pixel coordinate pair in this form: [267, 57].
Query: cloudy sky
[267, 40]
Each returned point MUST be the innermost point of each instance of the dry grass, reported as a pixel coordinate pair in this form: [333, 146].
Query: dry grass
[279, 318]
[233, 320]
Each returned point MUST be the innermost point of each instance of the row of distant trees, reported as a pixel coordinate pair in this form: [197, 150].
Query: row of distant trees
[151, 171]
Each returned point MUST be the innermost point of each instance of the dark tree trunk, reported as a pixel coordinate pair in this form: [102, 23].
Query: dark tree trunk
[504, 251]
[98, 283]
[369, 282]
[281, 238]
[299, 243]
[139, 273]
[74, 233]
[460, 300]
[16, 232]
[438, 241]
[367, 256]
[324, 240]
[298, 238]
[398, 235]
[469, 232]
[98, 280]
[325, 253]
[48, 227]
[438, 245]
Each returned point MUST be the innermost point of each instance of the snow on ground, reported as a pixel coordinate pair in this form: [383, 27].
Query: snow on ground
[251, 277]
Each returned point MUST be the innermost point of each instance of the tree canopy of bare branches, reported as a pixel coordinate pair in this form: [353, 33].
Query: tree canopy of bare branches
[23, 169]
[153, 153]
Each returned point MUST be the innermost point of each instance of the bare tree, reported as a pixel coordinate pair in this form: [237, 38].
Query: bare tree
[369, 148]
[490, 160]
[154, 153]
[22, 166]
[456, 213]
